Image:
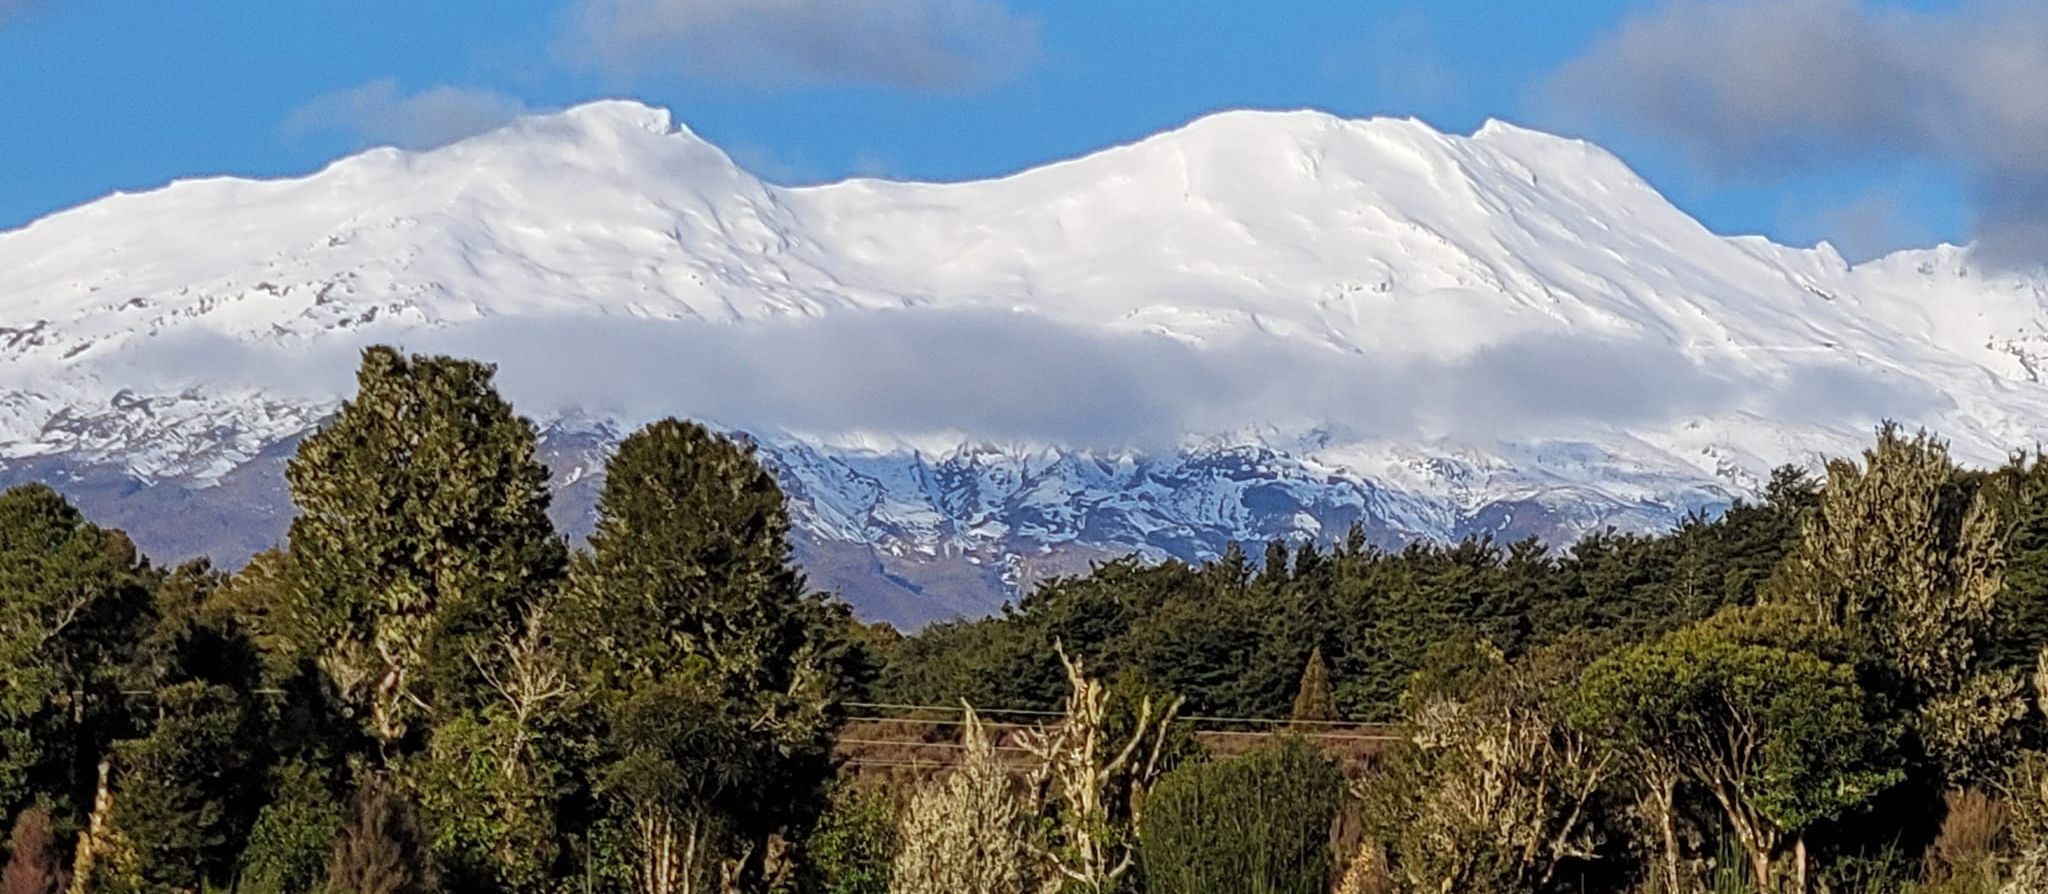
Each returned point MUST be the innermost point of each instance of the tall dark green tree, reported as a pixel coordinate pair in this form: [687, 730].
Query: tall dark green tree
[74, 600]
[422, 536]
[188, 785]
[694, 626]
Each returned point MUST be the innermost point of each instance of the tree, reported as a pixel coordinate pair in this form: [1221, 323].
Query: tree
[74, 600]
[382, 850]
[187, 783]
[422, 535]
[1093, 780]
[1496, 791]
[490, 779]
[1901, 552]
[968, 833]
[691, 621]
[1260, 822]
[1761, 709]
[293, 837]
[182, 790]
[1313, 701]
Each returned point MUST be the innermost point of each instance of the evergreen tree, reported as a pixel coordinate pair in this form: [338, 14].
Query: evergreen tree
[74, 600]
[1273, 573]
[2020, 617]
[1313, 701]
[422, 535]
[188, 784]
[1902, 552]
[694, 626]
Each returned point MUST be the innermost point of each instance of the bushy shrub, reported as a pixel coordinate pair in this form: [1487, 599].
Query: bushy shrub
[850, 849]
[967, 833]
[1259, 823]
[293, 835]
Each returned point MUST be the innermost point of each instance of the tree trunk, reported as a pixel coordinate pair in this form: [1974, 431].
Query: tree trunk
[1662, 802]
[93, 839]
[1799, 861]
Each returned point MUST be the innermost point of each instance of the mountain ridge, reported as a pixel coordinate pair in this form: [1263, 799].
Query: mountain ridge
[1260, 324]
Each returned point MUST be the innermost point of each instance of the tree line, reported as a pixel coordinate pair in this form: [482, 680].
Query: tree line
[425, 689]
[1835, 687]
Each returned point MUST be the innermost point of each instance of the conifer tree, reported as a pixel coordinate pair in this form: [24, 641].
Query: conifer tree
[422, 535]
[1313, 700]
[693, 622]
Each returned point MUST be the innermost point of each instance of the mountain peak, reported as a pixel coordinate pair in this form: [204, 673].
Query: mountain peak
[615, 116]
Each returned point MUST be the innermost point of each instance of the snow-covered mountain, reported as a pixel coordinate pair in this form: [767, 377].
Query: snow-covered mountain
[1262, 324]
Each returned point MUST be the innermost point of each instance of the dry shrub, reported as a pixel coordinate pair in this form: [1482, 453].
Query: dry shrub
[382, 850]
[33, 866]
[1367, 874]
[967, 833]
[1973, 832]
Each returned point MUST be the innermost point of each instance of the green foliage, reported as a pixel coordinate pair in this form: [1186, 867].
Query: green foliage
[714, 671]
[422, 534]
[1907, 552]
[1313, 701]
[851, 848]
[294, 835]
[1259, 823]
[188, 783]
[1759, 707]
[1235, 643]
[183, 792]
[74, 600]
[1495, 790]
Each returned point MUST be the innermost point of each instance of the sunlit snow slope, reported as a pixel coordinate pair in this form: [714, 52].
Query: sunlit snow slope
[1258, 325]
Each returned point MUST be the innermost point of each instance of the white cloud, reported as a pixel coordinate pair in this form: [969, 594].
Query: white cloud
[1755, 87]
[1009, 376]
[937, 45]
[381, 113]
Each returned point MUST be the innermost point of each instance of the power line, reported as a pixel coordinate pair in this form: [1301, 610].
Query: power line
[1197, 718]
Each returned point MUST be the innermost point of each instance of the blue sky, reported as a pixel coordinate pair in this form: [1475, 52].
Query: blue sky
[1800, 119]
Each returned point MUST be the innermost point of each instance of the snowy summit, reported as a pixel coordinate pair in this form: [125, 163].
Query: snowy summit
[1262, 324]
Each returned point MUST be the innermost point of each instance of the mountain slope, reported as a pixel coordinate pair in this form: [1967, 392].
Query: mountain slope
[1261, 324]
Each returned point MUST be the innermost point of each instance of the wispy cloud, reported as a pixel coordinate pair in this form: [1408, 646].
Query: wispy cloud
[1757, 87]
[939, 45]
[1010, 376]
[1868, 225]
[382, 113]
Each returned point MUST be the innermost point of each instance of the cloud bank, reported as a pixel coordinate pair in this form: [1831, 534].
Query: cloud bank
[938, 45]
[380, 113]
[1021, 378]
[1756, 87]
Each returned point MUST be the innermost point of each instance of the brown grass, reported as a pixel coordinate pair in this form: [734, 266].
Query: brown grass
[1973, 833]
